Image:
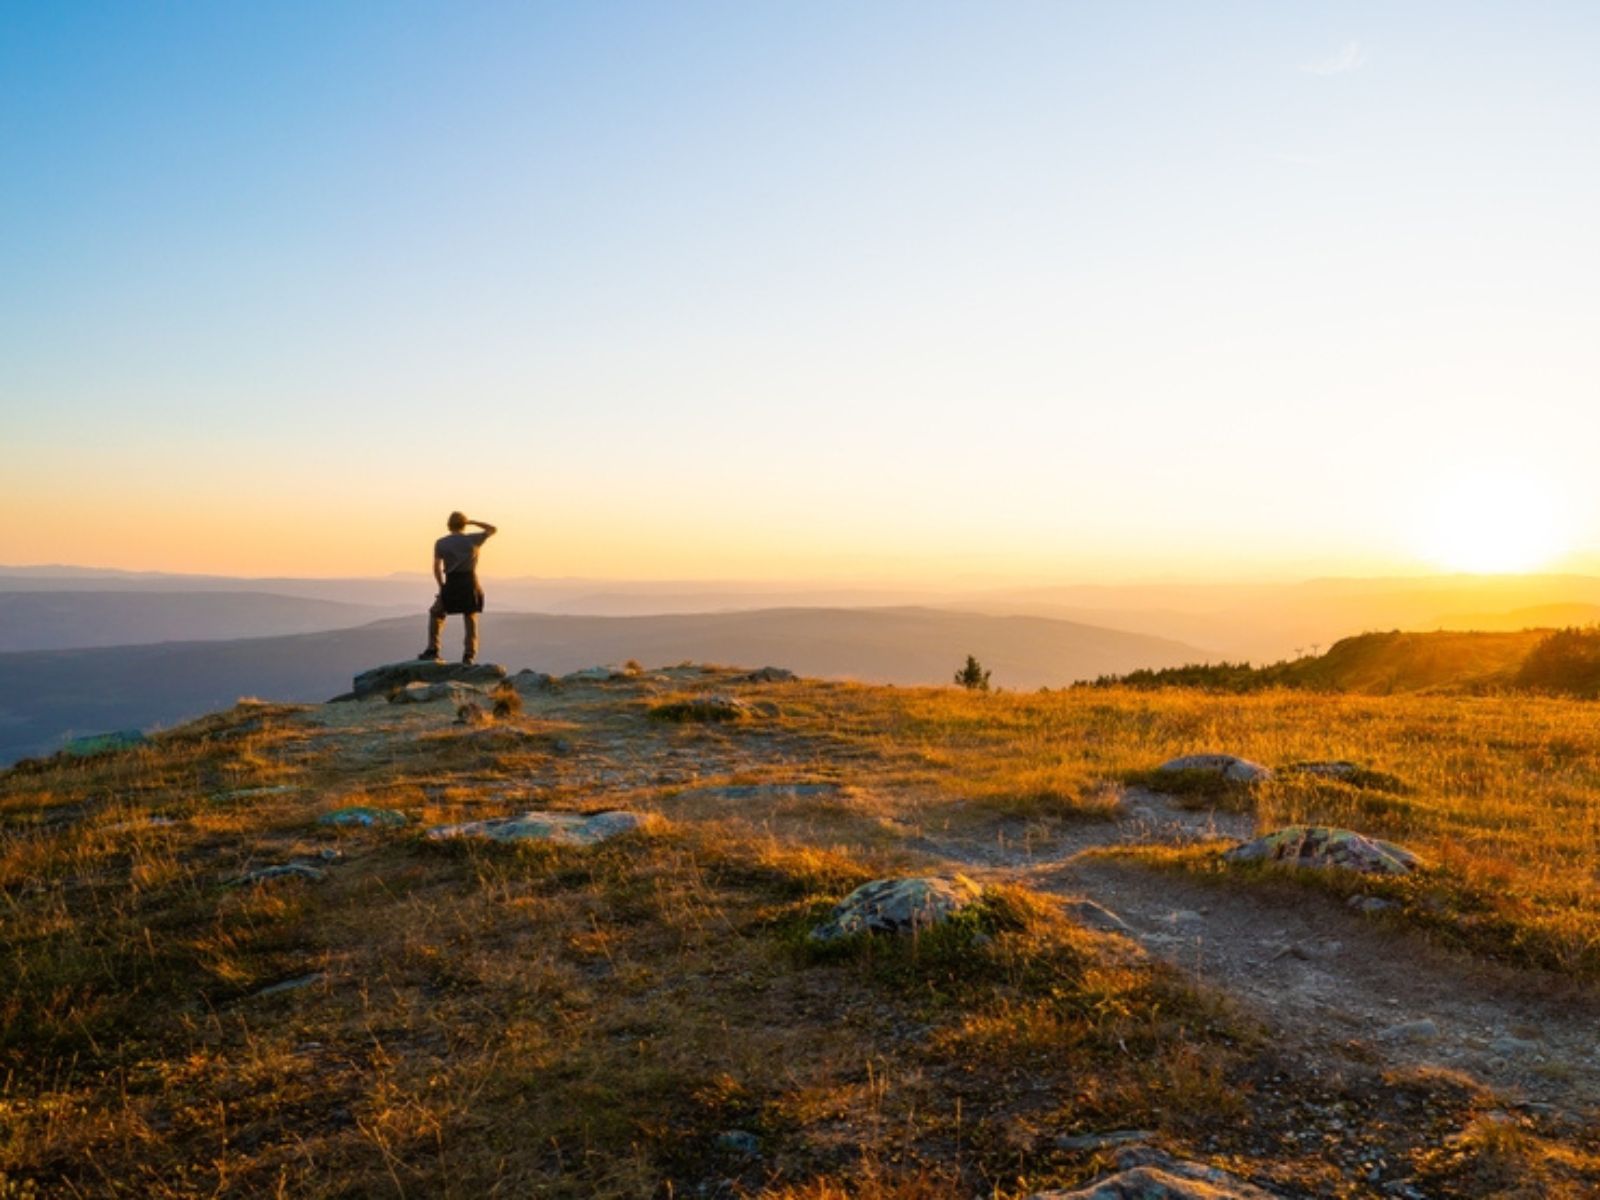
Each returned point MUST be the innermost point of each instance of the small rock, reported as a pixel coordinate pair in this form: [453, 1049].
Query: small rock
[771, 675]
[419, 692]
[1370, 904]
[288, 985]
[739, 1141]
[1323, 846]
[1425, 1030]
[293, 870]
[898, 906]
[596, 675]
[366, 817]
[1227, 767]
[527, 680]
[1097, 916]
[1512, 1047]
[281, 789]
[565, 828]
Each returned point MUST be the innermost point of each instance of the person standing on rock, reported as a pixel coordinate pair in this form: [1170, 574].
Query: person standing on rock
[455, 568]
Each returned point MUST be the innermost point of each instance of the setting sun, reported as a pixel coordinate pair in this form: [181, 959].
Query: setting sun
[1491, 523]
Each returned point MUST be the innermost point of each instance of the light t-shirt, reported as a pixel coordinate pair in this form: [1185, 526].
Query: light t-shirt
[459, 551]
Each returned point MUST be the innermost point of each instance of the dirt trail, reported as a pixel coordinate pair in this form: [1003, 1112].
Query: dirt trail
[1333, 982]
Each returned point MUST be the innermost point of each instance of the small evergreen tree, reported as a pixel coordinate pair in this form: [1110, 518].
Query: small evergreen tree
[972, 676]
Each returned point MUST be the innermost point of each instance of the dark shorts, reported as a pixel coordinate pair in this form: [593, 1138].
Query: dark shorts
[460, 594]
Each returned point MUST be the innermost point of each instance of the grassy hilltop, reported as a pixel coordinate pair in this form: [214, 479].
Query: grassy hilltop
[648, 1018]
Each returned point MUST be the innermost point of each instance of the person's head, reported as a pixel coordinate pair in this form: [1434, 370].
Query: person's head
[457, 522]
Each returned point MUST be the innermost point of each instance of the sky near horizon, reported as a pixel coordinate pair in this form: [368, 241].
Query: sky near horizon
[896, 291]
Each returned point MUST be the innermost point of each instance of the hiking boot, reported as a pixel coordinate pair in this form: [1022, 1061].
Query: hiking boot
[428, 656]
[468, 661]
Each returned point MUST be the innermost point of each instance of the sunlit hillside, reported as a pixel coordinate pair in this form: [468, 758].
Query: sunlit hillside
[386, 1014]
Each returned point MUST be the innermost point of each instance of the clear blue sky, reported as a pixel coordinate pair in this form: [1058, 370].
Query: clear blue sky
[914, 290]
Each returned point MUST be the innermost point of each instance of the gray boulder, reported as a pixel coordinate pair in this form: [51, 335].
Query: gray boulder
[1150, 1175]
[898, 906]
[771, 675]
[380, 681]
[418, 692]
[573, 829]
[1227, 767]
[1325, 847]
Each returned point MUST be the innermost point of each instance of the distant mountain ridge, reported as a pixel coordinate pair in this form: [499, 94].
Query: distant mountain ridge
[49, 620]
[46, 694]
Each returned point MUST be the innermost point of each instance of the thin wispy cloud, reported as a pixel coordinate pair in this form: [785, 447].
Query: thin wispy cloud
[1349, 57]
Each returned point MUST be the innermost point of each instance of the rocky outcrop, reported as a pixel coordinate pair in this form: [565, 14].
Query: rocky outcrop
[381, 681]
[573, 829]
[1228, 768]
[898, 906]
[1145, 1174]
[424, 693]
[770, 675]
[1323, 846]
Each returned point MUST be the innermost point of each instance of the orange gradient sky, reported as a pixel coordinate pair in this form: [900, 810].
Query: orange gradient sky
[852, 292]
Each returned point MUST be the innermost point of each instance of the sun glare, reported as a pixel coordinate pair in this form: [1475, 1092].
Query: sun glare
[1490, 523]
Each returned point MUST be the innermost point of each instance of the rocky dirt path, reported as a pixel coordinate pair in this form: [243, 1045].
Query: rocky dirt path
[1340, 985]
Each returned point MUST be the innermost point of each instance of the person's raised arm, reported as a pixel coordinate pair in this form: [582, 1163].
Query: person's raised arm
[488, 529]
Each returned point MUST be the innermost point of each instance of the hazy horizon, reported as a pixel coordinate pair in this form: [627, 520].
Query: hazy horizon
[878, 294]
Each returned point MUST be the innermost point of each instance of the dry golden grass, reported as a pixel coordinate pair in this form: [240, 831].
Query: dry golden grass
[565, 1022]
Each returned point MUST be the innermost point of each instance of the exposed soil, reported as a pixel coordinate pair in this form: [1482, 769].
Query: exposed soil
[1343, 986]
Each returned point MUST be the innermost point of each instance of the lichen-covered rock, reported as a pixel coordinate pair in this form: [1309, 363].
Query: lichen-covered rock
[382, 680]
[566, 828]
[702, 708]
[1227, 767]
[369, 818]
[1144, 1174]
[1323, 846]
[898, 906]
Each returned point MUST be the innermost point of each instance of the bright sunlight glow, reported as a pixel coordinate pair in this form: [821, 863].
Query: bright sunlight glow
[1491, 522]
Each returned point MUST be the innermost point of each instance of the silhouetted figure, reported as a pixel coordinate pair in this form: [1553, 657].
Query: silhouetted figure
[455, 567]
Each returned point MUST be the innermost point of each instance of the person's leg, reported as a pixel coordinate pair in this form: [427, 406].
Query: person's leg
[470, 648]
[435, 629]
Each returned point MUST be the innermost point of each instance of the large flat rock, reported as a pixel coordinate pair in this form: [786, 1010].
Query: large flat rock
[380, 681]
